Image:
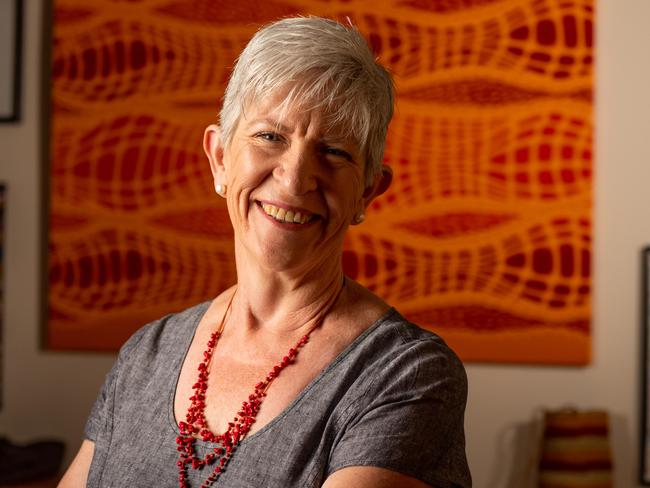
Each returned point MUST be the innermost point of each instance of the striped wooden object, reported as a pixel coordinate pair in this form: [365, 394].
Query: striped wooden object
[575, 450]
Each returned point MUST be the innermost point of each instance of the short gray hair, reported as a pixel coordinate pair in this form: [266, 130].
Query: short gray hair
[323, 64]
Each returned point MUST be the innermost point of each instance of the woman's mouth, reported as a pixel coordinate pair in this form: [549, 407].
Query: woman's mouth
[287, 216]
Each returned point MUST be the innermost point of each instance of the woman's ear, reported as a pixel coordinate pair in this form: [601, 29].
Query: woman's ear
[214, 149]
[379, 185]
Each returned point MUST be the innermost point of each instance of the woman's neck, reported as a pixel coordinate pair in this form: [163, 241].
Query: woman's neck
[285, 301]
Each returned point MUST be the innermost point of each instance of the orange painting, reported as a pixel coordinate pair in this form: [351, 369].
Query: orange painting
[484, 236]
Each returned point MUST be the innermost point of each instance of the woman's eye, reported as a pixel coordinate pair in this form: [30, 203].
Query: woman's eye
[268, 136]
[340, 153]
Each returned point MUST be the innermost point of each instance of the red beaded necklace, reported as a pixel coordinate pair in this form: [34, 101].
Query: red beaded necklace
[237, 429]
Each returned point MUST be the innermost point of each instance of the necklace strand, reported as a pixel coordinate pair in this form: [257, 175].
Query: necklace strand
[196, 424]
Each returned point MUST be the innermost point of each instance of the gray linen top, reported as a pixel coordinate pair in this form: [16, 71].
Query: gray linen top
[394, 398]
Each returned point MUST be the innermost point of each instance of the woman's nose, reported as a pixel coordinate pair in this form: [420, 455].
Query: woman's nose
[296, 170]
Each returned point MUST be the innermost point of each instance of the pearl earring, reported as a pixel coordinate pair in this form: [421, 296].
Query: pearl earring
[359, 218]
[220, 189]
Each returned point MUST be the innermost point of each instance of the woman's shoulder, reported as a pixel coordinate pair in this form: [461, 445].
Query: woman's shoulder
[165, 332]
[392, 323]
[392, 344]
[404, 404]
[404, 344]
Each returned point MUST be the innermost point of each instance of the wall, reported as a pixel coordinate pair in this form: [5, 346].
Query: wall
[45, 393]
[502, 399]
[49, 394]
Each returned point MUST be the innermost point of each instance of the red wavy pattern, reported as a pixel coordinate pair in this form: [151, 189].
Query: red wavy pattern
[64, 15]
[549, 265]
[539, 157]
[545, 38]
[68, 222]
[455, 224]
[484, 92]
[110, 270]
[484, 235]
[131, 163]
[485, 319]
[208, 222]
[445, 6]
[120, 60]
[226, 11]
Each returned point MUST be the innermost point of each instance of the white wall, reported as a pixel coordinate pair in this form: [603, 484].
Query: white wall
[45, 393]
[49, 394]
[503, 398]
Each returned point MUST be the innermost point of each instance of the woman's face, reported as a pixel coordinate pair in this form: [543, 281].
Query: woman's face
[294, 185]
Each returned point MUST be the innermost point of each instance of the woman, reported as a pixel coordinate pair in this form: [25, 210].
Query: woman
[296, 376]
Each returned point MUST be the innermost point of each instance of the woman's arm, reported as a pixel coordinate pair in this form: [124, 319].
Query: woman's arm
[77, 474]
[371, 477]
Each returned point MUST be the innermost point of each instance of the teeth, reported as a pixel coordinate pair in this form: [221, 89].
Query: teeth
[286, 215]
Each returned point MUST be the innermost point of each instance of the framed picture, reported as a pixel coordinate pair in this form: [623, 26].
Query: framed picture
[645, 375]
[484, 236]
[11, 21]
[2, 272]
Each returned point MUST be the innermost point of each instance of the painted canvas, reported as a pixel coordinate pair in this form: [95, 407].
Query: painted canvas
[484, 236]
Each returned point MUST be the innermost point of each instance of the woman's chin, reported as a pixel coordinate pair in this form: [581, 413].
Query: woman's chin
[284, 256]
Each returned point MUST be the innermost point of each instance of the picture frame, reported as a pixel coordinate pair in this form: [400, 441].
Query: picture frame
[11, 33]
[644, 464]
[3, 205]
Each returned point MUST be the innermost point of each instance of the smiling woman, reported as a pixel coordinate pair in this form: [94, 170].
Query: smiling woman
[292, 162]
[296, 375]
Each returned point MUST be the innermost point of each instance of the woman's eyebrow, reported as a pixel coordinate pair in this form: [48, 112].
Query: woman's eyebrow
[341, 140]
[330, 139]
[269, 121]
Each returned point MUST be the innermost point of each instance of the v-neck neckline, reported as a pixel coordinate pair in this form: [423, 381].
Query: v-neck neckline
[202, 309]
